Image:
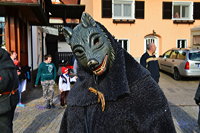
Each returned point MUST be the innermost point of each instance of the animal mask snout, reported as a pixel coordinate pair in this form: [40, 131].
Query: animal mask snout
[92, 64]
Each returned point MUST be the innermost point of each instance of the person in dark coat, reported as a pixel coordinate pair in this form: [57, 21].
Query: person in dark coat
[197, 101]
[8, 91]
[113, 93]
[150, 62]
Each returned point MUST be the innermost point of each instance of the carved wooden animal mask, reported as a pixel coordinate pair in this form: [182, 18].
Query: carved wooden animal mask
[90, 45]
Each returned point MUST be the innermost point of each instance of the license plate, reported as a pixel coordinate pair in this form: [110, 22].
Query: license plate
[198, 65]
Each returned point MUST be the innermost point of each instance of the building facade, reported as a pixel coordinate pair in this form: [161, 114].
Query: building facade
[19, 16]
[136, 23]
[26, 28]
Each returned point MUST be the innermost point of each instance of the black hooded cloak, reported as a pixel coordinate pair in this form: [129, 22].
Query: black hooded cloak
[8, 83]
[134, 101]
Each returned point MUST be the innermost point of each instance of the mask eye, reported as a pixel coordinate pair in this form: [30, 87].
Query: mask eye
[78, 51]
[96, 41]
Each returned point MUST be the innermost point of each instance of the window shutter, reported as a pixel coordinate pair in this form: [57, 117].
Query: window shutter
[106, 8]
[139, 9]
[196, 10]
[167, 10]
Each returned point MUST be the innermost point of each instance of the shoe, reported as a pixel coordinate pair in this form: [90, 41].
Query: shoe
[64, 106]
[53, 106]
[48, 106]
[20, 105]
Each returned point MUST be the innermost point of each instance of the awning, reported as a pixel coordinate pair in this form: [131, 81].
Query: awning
[66, 11]
[38, 13]
[34, 13]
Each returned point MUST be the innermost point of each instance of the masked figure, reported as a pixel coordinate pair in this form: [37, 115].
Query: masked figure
[113, 93]
[8, 92]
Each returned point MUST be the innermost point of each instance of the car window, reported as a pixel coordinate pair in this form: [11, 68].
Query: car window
[194, 56]
[181, 55]
[173, 54]
[167, 54]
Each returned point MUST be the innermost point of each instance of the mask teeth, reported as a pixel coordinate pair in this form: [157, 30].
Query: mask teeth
[100, 70]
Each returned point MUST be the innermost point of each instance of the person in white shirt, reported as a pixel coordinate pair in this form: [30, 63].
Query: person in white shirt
[64, 85]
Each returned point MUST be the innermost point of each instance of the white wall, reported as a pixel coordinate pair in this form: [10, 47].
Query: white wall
[29, 45]
[64, 47]
[37, 46]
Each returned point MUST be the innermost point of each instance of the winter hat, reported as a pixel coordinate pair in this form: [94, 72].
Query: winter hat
[64, 69]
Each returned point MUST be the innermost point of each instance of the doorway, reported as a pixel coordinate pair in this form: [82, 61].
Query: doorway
[52, 48]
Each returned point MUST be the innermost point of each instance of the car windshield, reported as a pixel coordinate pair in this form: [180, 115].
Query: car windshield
[194, 56]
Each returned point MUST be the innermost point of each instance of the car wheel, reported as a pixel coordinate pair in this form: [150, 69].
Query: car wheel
[177, 75]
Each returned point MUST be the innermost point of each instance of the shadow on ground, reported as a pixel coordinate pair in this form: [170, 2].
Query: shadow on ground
[31, 93]
[47, 117]
[187, 123]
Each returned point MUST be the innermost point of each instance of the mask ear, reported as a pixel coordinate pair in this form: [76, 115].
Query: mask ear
[67, 32]
[87, 20]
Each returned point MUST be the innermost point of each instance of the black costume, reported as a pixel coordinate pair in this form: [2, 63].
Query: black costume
[151, 63]
[134, 103]
[197, 101]
[8, 91]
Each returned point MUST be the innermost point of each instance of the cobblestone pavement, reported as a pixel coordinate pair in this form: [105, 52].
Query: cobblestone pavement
[35, 119]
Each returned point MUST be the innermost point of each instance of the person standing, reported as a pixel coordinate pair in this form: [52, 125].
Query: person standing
[21, 77]
[9, 96]
[64, 85]
[13, 56]
[47, 75]
[150, 62]
[197, 101]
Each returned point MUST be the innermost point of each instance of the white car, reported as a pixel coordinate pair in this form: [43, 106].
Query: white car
[181, 62]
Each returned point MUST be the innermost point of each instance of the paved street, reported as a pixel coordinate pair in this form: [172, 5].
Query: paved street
[35, 119]
[180, 95]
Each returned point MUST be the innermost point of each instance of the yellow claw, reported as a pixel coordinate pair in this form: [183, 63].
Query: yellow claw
[100, 97]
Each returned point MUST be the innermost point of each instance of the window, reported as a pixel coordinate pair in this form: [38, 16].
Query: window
[181, 55]
[124, 43]
[150, 40]
[182, 10]
[167, 54]
[181, 43]
[196, 39]
[123, 9]
[195, 56]
[173, 55]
